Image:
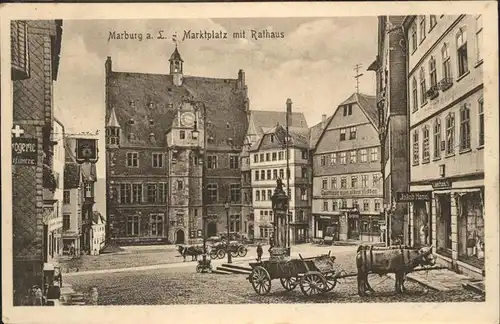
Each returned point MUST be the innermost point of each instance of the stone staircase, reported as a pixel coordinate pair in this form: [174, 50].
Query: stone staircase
[227, 269]
[75, 299]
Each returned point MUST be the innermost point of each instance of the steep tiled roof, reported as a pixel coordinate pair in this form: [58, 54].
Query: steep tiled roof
[315, 132]
[96, 217]
[71, 175]
[264, 120]
[367, 104]
[69, 151]
[298, 137]
[225, 105]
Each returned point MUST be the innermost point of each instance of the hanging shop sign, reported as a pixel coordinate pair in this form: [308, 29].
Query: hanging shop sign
[86, 150]
[413, 196]
[24, 151]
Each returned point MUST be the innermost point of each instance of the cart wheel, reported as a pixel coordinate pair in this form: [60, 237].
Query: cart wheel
[242, 251]
[312, 283]
[289, 283]
[331, 282]
[199, 268]
[261, 281]
[221, 254]
[234, 254]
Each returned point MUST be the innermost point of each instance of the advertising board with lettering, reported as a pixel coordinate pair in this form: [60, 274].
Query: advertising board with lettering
[24, 151]
[413, 196]
[350, 192]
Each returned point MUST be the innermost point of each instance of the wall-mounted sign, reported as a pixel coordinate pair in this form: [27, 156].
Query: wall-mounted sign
[350, 192]
[441, 184]
[413, 196]
[24, 151]
[199, 233]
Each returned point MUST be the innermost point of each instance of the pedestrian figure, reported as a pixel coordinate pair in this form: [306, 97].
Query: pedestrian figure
[259, 252]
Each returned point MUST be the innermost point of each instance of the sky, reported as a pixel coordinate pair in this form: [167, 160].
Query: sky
[313, 64]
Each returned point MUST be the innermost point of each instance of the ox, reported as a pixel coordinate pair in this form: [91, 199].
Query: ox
[399, 260]
[192, 250]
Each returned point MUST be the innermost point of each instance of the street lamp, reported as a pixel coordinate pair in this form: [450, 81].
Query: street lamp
[229, 258]
[195, 134]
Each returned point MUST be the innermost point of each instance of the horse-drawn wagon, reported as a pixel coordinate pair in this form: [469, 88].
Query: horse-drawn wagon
[314, 275]
[320, 274]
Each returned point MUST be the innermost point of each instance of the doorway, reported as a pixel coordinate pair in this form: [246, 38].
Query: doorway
[443, 214]
[353, 227]
[179, 237]
[211, 229]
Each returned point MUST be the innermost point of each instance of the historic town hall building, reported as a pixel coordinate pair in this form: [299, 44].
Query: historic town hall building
[154, 163]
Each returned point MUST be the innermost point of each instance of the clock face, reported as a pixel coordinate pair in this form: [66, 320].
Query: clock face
[187, 119]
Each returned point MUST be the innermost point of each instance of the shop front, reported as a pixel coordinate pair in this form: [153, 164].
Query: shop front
[420, 221]
[470, 214]
[370, 230]
[325, 225]
[459, 225]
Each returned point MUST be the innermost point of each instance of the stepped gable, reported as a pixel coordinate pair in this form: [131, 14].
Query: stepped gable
[225, 106]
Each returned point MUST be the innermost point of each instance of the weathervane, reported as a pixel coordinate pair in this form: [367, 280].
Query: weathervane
[174, 39]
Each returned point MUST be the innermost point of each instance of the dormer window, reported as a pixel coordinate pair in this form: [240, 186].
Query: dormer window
[132, 103]
[230, 141]
[113, 136]
[227, 125]
[131, 121]
[151, 122]
[211, 140]
[131, 137]
[152, 138]
[151, 105]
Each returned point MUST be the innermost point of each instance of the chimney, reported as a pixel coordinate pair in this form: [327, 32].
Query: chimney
[289, 106]
[241, 80]
[108, 65]
[323, 121]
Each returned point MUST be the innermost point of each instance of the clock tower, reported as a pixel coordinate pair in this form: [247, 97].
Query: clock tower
[185, 172]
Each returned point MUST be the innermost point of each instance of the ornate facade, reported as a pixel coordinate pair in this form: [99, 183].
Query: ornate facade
[154, 163]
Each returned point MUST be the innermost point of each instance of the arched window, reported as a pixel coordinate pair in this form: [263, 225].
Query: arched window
[464, 127]
[445, 53]
[450, 134]
[463, 66]
[413, 37]
[432, 72]
[479, 37]
[425, 145]
[422, 28]
[416, 144]
[423, 90]
[414, 94]
[437, 138]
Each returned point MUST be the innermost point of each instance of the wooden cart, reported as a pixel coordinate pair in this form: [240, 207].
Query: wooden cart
[314, 275]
